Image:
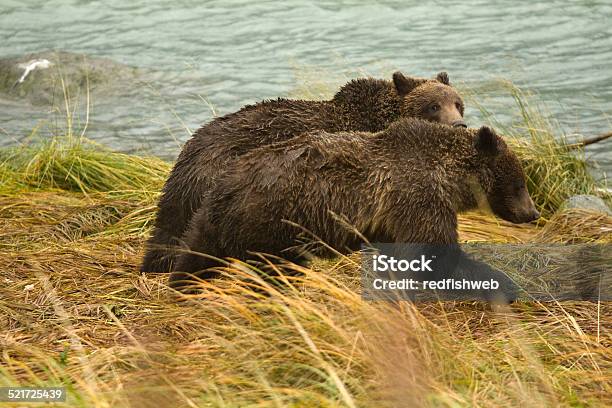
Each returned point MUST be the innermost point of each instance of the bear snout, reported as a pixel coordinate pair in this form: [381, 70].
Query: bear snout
[531, 213]
[526, 216]
[459, 123]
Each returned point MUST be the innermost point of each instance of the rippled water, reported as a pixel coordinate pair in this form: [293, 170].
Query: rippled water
[233, 53]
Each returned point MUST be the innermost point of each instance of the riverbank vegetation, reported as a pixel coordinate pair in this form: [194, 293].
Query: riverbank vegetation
[75, 311]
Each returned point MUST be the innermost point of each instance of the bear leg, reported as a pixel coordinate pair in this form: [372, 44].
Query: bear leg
[200, 238]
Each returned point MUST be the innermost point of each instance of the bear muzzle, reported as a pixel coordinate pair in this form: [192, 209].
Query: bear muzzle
[525, 216]
[459, 123]
[535, 215]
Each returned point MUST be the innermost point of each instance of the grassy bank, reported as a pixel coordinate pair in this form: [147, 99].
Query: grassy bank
[75, 311]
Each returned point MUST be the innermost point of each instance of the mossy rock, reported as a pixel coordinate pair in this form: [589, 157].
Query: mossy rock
[43, 85]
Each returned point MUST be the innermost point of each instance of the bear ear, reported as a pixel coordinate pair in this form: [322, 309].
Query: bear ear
[442, 77]
[487, 142]
[404, 85]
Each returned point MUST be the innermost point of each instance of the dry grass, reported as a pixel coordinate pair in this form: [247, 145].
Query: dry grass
[76, 312]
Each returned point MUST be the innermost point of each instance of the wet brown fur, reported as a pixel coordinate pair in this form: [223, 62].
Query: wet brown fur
[403, 184]
[361, 105]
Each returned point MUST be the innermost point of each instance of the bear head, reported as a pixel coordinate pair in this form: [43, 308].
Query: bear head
[430, 99]
[505, 186]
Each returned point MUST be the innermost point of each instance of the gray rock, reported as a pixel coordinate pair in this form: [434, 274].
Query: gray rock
[38, 77]
[587, 202]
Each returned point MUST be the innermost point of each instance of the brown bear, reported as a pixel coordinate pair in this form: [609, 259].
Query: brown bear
[361, 105]
[403, 184]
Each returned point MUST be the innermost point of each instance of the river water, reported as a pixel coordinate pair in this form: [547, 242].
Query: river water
[225, 54]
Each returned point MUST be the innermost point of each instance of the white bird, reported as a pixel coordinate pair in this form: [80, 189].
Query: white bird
[31, 66]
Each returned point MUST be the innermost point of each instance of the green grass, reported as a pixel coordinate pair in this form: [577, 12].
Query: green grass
[80, 165]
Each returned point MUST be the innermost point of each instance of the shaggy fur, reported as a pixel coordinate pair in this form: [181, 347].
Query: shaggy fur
[403, 184]
[361, 105]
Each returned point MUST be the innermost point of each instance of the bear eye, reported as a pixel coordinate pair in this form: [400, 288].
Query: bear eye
[434, 108]
[458, 105]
